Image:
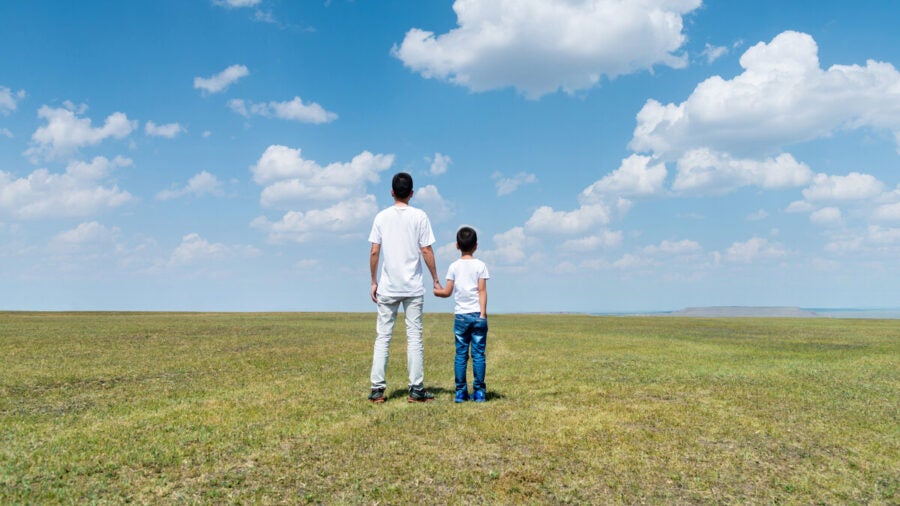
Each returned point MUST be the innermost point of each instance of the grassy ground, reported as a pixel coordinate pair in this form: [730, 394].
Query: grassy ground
[270, 408]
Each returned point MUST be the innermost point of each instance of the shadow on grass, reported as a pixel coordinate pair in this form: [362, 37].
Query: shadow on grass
[402, 393]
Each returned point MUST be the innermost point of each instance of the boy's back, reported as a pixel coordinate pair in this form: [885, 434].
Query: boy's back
[465, 273]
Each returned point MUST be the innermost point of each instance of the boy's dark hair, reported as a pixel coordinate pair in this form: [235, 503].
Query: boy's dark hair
[466, 239]
[402, 184]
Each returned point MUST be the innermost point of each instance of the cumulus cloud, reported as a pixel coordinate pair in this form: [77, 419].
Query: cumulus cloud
[636, 176]
[78, 192]
[510, 247]
[752, 250]
[712, 53]
[65, 132]
[85, 233]
[233, 4]
[547, 220]
[888, 212]
[709, 172]
[430, 200]
[439, 164]
[854, 186]
[507, 185]
[606, 239]
[221, 81]
[195, 249]
[9, 100]
[782, 97]
[298, 226]
[826, 216]
[672, 248]
[294, 110]
[288, 178]
[201, 184]
[169, 131]
[539, 47]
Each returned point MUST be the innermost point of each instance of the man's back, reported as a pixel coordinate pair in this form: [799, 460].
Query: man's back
[402, 231]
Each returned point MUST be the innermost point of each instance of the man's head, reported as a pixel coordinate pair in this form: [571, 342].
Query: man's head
[402, 186]
[466, 239]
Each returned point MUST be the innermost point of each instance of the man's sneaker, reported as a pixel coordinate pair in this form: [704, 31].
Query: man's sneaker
[377, 395]
[462, 396]
[419, 394]
[479, 396]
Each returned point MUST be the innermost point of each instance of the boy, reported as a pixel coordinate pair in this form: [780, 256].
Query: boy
[467, 281]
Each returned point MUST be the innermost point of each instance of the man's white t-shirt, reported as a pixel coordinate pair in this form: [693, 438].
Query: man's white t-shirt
[465, 274]
[402, 232]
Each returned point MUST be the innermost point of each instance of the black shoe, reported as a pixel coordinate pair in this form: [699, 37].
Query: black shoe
[419, 394]
[377, 395]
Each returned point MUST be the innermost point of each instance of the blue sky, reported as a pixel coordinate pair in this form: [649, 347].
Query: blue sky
[614, 156]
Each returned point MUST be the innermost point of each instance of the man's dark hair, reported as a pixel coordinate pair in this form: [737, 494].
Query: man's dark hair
[466, 239]
[402, 184]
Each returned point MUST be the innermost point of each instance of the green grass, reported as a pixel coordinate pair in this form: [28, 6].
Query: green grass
[270, 408]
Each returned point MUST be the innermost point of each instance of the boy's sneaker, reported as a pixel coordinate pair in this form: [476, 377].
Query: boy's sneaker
[479, 396]
[461, 396]
[419, 394]
[377, 395]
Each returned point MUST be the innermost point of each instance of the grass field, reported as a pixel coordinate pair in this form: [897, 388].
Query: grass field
[271, 408]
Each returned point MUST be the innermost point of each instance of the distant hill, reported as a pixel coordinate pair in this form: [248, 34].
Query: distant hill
[742, 311]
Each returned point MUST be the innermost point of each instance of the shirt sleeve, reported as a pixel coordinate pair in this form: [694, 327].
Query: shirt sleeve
[451, 272]
[426, 236]
[375, 234]
[484, 274]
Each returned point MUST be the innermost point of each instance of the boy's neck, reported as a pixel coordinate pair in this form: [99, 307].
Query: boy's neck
[466, 256]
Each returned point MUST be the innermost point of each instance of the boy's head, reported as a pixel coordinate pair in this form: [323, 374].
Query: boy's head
[402, 186]
[466, 239]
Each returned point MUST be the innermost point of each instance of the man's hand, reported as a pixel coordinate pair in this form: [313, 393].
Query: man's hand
[374, 293]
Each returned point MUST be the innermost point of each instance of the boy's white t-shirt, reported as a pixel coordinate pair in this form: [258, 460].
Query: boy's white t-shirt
[465, 274]
[402, 232]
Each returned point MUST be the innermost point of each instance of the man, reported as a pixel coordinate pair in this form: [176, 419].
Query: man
[402, 235]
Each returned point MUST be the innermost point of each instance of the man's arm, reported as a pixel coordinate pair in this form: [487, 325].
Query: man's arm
[482, 296]
[374, 255]
[446, 291]
[428, 256]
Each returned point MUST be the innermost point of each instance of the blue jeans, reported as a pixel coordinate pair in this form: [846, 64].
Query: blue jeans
[471, 331]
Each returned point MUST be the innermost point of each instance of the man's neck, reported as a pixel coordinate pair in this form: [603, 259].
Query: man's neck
[401, 203]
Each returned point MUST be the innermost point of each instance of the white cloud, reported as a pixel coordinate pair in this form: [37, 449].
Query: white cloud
[299, 226]
[201, 184]
[439, 164]
[539, 47]
[9, 100]
[883, 235]
[758, 215]
[606, 239]
[511, 247]
[289, 179]
[78, 192]
[195, 249]
[546, 220]
[6, 133]
[854, 186]
[671, 248]
[294, 110]
[752, 250]
[826, 216]
[431, 201]
[888, 212]
[507, 185]
[701, 171]
[236, 3]
[782, 97]
[222, 80]
[84, 233]
[630, 261]
[168, 131]
[713, 53]
[634, 177]
[65, 132]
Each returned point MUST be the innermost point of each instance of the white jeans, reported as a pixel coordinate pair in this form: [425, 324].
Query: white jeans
[415, 355]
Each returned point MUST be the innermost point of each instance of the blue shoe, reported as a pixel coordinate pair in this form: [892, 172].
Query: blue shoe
[461, 396]
[479, 396]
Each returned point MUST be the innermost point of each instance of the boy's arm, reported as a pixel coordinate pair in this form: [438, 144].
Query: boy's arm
[446, 291]
[482, 296]
[374, 255]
